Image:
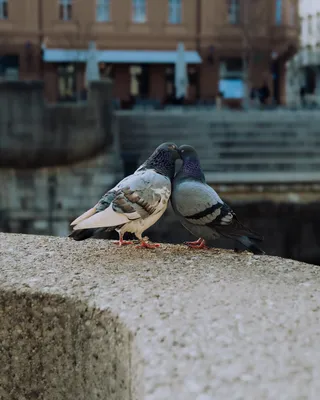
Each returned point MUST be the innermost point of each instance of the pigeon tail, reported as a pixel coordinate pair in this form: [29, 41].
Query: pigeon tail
[82, 234]
[242, 234]
[250, 245]
[236, 229]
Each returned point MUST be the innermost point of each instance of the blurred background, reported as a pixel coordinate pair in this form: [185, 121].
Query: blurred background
[89, 88]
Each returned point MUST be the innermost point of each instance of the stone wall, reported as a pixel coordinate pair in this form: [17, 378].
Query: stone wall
[33, 134]
[46, 200]
[92, 321]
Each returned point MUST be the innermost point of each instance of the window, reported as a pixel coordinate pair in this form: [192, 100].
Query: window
[3, 9]
[175, 11]
[9, 67]
[65, 10]
[103, 10]
[139, 12]
[318, 22]
[233, 11]
[278, 11]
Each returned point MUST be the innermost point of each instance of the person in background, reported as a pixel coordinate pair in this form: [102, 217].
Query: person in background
[264, 93]
[254, 96]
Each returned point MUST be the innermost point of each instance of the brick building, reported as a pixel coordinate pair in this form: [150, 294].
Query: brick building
[136, 41]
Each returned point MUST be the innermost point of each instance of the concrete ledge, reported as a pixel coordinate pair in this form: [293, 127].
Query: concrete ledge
[92, 321]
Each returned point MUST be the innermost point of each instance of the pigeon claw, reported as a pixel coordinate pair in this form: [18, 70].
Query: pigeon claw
[194, 243]
[147, 245]
[198, 245]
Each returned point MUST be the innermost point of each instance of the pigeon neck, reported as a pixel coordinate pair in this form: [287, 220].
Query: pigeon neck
[192, 168]
[162, 163]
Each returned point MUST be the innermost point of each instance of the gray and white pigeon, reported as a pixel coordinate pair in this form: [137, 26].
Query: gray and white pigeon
[200, 209]
[135, 203]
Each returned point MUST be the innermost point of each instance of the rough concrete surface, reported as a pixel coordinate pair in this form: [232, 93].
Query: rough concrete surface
[89, 320]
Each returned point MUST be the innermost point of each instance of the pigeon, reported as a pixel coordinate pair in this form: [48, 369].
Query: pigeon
[135, 203]
[200, 209]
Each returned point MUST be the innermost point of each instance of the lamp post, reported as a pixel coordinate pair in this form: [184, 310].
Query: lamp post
[198, 45]
[41, 36]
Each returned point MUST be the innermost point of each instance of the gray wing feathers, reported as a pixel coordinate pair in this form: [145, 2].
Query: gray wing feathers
[198, 203]
[138, 195]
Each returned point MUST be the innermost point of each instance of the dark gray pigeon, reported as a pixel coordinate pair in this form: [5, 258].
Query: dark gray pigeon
[135, 203]
[200, 209]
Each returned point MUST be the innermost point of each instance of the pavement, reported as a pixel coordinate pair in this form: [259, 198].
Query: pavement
[88, 320]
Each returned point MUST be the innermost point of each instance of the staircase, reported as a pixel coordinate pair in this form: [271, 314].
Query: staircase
[249, 147]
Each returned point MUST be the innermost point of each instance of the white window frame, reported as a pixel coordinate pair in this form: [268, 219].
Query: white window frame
[278, 12]
[233, 11]
[175, 12]
[65, 4]
[103, 10]
[139, 11]
[3, 3]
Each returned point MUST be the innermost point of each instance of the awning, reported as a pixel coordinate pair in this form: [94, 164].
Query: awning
[120, 56]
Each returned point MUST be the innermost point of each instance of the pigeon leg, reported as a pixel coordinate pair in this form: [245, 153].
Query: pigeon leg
[201, 245]
[122, 242]
[194, 243]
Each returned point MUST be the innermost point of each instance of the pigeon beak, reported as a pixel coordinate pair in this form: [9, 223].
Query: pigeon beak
[175, 149]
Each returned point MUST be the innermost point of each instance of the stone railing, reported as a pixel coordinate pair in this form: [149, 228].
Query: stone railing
[91, 321]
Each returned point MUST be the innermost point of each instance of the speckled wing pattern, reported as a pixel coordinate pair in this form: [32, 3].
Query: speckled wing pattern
[137, 196]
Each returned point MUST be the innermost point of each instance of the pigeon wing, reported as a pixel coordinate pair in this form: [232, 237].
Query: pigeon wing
[198, 203]
[134, 198]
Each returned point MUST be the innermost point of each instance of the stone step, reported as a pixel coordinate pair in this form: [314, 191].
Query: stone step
[265, 151]
[219, 135]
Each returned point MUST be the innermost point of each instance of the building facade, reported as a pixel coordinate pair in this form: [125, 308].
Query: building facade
[227, 42]
[303, 70]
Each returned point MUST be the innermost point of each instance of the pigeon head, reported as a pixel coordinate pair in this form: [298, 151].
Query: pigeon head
[163, 159]
[191, 164]
[188, 153]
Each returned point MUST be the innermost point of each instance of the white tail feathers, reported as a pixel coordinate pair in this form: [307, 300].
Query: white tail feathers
[83, 216]
[103, 219]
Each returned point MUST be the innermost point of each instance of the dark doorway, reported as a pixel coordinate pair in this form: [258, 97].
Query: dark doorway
[67, 83]
[311, 80]
[107, 70]
[169, 82]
